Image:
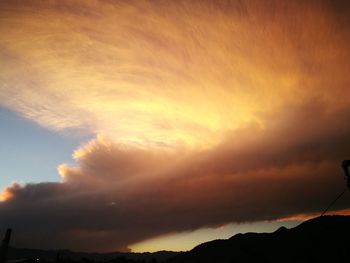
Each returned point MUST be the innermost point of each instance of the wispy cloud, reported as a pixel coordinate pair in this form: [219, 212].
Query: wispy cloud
[152, 72]
[205, 113]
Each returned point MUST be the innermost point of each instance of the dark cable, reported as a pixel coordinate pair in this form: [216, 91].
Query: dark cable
[333, 202]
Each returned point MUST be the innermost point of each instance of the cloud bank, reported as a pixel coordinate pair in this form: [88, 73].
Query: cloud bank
[117, 196]
[211, 112]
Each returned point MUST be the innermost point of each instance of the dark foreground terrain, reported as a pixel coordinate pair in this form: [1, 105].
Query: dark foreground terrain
[322, 239]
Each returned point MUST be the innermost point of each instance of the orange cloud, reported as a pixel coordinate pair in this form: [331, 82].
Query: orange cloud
[304, 217]
[214, 113]
[162, 74]
[8, 193]
[120, 195]
[5, 195]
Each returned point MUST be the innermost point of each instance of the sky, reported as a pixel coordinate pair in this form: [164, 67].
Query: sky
[148, 125]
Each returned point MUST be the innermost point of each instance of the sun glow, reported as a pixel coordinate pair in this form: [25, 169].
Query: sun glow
[307, 216]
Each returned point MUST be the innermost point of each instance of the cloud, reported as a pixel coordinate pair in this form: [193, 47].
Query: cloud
[205, 112]
[153, 73]
[118, 195]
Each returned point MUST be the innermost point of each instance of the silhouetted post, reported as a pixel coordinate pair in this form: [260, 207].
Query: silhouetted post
[4, 245]
[345, 165]
[57, 257]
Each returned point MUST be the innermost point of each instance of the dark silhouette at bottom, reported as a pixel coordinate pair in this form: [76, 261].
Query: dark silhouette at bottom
[322, 239]
[4, 245]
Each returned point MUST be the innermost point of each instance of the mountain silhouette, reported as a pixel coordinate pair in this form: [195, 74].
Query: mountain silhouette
[322, 239]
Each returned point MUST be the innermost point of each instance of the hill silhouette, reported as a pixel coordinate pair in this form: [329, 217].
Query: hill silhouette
[65, 256]
[322, 239]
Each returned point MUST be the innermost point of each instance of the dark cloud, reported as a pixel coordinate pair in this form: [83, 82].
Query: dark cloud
[118, 196]
[271, 75]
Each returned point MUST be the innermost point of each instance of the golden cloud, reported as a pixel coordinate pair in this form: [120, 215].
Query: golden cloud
[205, 112]
[120, 195]
[164, 74]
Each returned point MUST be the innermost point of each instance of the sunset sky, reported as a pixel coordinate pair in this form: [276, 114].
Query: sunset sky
[150, 125]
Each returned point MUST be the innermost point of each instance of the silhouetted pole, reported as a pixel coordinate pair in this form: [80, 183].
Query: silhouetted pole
[4, 245]
[345, 165]
[58, 257]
